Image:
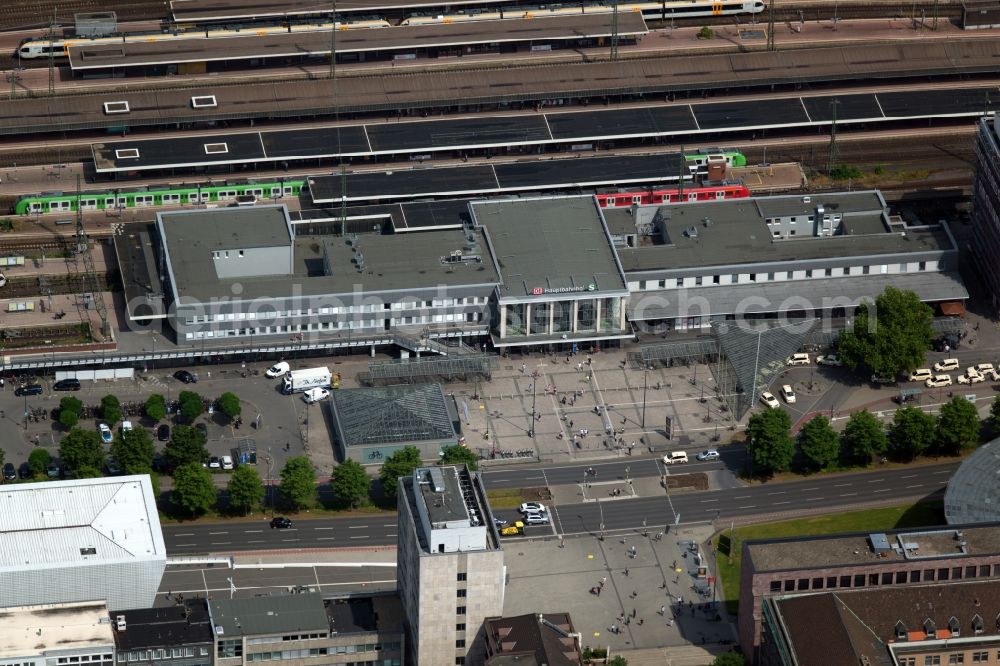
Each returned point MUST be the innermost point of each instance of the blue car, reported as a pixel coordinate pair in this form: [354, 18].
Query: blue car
[106, 435]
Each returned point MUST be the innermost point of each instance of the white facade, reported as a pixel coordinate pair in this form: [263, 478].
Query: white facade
[81, 540]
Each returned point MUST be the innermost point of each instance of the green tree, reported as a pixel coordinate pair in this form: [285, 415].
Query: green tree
[298, 482]
[134, 451]
[618, 660]
[156, 407]
[111, 409]
[771, 443]
[399, 464]
[72, 404]
[890, 336]
[245, 489]
[819, 442]
[456, 454]
[186, 445]
[191, 405]
[958, 425]
[193, 488]
[912, 432]
[229, 404]
[351, 482]
[3, 457]
[730, 659]
[864, 436]
[87, 472]
[82, 448]
[38, 461]
[68, 418]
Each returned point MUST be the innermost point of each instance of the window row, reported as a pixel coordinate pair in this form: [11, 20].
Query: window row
[168, 653]
[885, 578]
[284, 655]
[264, 640]
[326, 310]
[782, 276]
[87, 659]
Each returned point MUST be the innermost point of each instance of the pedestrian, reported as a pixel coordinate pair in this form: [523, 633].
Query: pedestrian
[626, 572]
[663, 610]
[523, 368]
[670, 622]
[628, 621]
[633, 612]
[604, 580]
[2, 384]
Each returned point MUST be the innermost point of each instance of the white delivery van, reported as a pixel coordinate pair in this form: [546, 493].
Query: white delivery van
[297, 381]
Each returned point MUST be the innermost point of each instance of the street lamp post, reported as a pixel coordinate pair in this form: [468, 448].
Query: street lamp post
[270, 495]
[25, 412]
[645, 384]
[601, 509]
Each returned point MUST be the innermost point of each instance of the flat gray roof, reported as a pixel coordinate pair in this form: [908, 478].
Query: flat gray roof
[795, 295]
[738, 235]
[555, 244]
[443, 506]
[270, 615]
[391, 262]
[843, 550]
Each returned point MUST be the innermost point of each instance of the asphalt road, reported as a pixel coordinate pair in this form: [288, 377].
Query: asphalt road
[831, 491]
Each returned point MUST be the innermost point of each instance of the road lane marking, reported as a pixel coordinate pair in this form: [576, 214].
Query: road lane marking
[786, 502]
[742, 497]
[322, 528]
[216, 533]
[882, 490]
[183, 545]
[908, 476]
[943, 471]
[709, 500]
[805, 490]
[390, 525]
[392, 534]
[361, 537]
[780, 492]
[876, 481]
[812, 499]
[848, 494]
[258, 541]
[749, 506]
[919, 485]
[253, 531]
[185, 534]
[220, 543]
[842, 485]
[325, 538]
[358, 527]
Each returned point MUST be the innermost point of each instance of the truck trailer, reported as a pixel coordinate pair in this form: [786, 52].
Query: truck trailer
[297, 381]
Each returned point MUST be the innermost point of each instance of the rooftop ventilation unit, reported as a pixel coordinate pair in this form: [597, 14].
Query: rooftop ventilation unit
[216, 148]
[691, 232]
[127, 154]
[436, 479]
[120, 622]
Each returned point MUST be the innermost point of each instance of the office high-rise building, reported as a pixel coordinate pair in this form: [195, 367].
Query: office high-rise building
[450, 565]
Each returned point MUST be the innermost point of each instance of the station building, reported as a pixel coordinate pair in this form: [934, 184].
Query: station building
[546, 271]
[450, 565]
[58, 633]
[79, 541]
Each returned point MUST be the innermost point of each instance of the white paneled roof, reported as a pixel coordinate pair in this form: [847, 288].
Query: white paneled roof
[79, 521]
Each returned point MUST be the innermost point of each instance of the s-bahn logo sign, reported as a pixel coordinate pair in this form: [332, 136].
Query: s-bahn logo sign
[541, 291]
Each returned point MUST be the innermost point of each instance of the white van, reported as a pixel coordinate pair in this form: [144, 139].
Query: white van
[278, 369]
[799, 359]
[675, 458]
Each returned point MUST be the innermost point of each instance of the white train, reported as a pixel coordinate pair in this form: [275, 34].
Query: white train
[39, 48]
[664, 9]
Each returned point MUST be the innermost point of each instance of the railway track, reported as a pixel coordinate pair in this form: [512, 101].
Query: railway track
[24, 14]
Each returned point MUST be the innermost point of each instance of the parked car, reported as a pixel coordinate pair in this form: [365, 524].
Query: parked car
[24, 471]
[531, 507]
[163, 432]
[938, 381]
[66, 385]
[946, 365]
[921, 375]
[28, 389]
[126, 426]
[971, 376]
[111, 466]
[9, 473]
[214, 463]
[280, 523]
[829, 359]
[985, 367]
[202, 428]
[106, 435]
[799, 359]
[768, 399]
[227, 462]
[500, 522]
[315, 394]
[710, 454]
[53, 471]
[185, 377]
[278, 369]
[788, 394]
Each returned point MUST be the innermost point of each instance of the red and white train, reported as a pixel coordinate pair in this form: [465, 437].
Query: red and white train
[705, 192]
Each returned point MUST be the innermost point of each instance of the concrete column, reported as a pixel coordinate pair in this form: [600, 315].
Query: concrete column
[527, 319]
[502, 312]
[598, 306]
[575, 311]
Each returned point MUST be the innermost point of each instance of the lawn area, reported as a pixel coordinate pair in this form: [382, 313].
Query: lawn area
[871, 520]
[504, 498]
